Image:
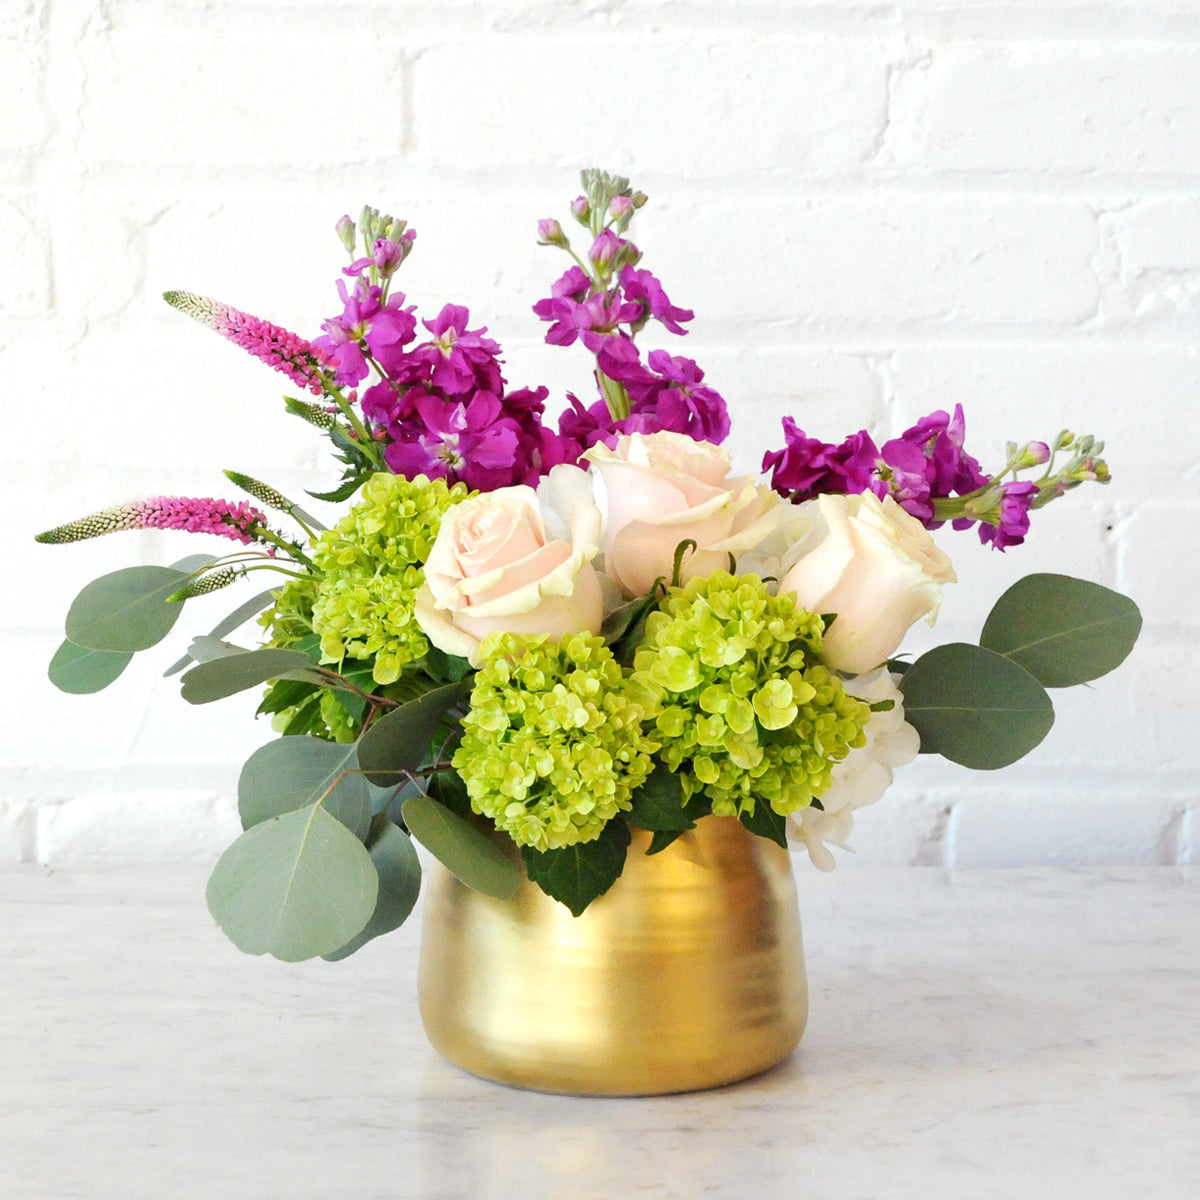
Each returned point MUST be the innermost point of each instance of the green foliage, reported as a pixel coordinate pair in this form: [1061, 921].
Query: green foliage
[766, 822]
[80, 671]
[975, 707]
[227, 624]
[575, 875]
[463, 849]
[294, 772]
[221, 677]
[126, 610]
[296, 886]
[401, 742]
[399, 872]
[1063, 631]
[658, 804]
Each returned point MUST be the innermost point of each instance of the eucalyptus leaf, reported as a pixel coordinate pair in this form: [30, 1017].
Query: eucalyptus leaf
[1062, 630]
[228, 624]
[401, 741]
[126, 610]
[297, 886]
[206, 647]
[463, 849]
[221, 677]
[576, 875]
[399, 872]
[81, 672]
[193, 562]
[974, 706]
[294, 772]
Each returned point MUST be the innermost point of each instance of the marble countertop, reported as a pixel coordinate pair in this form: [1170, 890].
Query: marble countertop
[1024, 1033]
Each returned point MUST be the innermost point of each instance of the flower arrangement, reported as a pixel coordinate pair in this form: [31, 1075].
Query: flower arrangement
[535, 635]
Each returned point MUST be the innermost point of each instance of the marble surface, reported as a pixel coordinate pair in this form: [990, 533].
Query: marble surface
[1026, 1033]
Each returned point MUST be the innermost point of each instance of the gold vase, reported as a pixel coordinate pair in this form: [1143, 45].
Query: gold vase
[687, 974]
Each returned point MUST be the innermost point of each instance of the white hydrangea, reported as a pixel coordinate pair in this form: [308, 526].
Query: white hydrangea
[863, 775]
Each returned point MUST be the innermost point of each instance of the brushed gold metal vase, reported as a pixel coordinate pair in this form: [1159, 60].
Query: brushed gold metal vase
[687, 974]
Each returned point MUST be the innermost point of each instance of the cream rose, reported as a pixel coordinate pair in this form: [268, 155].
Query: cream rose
[664, 488]
[872, 564]
[494, 567]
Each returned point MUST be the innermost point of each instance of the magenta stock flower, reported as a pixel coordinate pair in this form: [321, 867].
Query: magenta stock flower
[241, 522]
[300, 360]
[641, 287]
[806, 467]
[367, 324]
[1015, 500]
[944, 465]
[456, 360]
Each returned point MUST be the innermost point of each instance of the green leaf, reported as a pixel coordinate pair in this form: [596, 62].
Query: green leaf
[221, 677]
[294, 772]
[296, 886]
[399, 871]
[464, 850]
[975, 707]
[576, 875]
[766, 822]
[447, 667]
[662, 838]
[126, 610]
[625, 627]
[228, 624]
[658, 803]
[448, 789]
[1062, 630]
[343, 492]
[401, 741]
[80, 671]
[286, 693]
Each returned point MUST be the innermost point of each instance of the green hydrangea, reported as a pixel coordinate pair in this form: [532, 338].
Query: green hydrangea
[745, 711]
[370, 568]
[553, 746]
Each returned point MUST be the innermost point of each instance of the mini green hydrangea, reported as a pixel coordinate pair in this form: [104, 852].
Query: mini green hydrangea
[745, 711]
[370, 567]
[553, 746]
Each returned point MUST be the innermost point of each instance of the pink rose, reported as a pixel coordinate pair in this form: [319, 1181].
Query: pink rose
[664, 488]
[493, 568]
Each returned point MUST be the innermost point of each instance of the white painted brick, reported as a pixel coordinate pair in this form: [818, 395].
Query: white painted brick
[992, 828]
[100, 257]
[17, 830]
[879, 256]
[25, 280]
[1189, 837]
[22, 99]
[135, 827]
[718, 105]
[1030, 391]
[1080, 105]
[1160, 566]
[233, 98]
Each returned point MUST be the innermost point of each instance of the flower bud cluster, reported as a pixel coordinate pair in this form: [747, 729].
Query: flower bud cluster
[369, 569]
[553, 746]
[746, 713]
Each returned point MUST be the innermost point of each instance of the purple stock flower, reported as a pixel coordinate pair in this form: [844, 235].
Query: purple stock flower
[643, 288]
[457, 361]
[382, 329]
[807, 467]
[1015, 499]
[679, 399]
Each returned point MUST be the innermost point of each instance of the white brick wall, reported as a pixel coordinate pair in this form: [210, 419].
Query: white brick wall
[875, 211]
